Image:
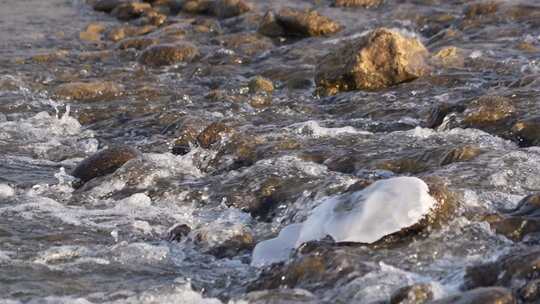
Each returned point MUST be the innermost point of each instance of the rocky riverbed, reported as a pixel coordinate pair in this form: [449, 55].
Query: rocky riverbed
[250, 151]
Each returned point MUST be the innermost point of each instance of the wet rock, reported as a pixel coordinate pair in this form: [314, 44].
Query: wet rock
[107, 5]
[449, 57]
[414, 294]
[227, 245]
[489, 295]
[130, 10]
[178, 233]
[460, 154]
[292, 22]
[248, 44]
[92, 32]
[404, 165]
[138, 43]
[527, 132]
[124, 31]
[378, 60]
[88, 91]
[481, 8]
[104, 162]
[196, 6]
[319, 266]
[439, 112]
[520, 221]
[260, 84]
[151, 18]
[517, 270]
[230, 8]
[488, 110]
[213, 134]
[358, 3]
[168, 54]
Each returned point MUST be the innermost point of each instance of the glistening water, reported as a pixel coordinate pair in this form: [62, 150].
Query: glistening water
[279, 153]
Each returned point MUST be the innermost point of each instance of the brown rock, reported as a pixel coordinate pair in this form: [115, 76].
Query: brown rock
[107, 5]
[167, 54]
[292, 22]
[520, 221]
[450, 57]
[378, 60]
[482, 8]
[414, 294]
[104, 162]
[488, 110]
[360, 3]
[138, 43]
[460, 154]
[490, 295]
[92, 32]
[130, 10]
[88, 91]
[121, 32]
[196, 6]
[230, 8]
[527, 131]
[212, 134]
[260, 84]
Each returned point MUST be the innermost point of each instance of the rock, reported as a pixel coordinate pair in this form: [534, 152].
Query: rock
[130, 10]
[292, 22]
[151, 18]
[213, 134]
[196, 6]
[527, 132]
[92, 32]
[138, 43]
[178, 232]
[481, 8]
[403, 165]
[490, 295]
[107, 5]
[168, 54]
[120, 32]
[229, 244]
[378, 60]
[88, 91]
[460, 154]
[360, 3]
[104, 162]
[230, 8]
[488, 110]
[418, 207]
[260, 84]
[413, 294]
[440, 111]
[248, 44]
[517, 269]
[520, 221]
[450, 57]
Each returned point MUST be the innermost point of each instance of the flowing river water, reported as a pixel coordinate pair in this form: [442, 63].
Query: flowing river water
[280, 152]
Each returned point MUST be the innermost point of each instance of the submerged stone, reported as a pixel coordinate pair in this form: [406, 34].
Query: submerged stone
[521, 221]
[358, 3]
[230, 8]
[413, 294]
[168, 54]
[489, 295]
[104, 162]
[378, 60]
[386, 207]
[88, 91]
[293, 22]
[130, 10]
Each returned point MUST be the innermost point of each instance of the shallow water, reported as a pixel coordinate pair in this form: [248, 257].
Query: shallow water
[107, 242]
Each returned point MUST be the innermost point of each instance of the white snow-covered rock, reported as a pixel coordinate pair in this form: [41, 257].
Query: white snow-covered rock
[385, 207]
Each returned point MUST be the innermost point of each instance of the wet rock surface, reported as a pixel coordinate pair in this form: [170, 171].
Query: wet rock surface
[230, 120]
[380, 59]
[104, 162]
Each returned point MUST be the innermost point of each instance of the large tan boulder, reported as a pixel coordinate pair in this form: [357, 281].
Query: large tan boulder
[378, 60]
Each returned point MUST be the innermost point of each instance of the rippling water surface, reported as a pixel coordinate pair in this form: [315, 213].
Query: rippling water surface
[110, 241]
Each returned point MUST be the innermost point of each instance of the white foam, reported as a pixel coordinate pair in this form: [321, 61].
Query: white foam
[6, 191]
[314, 129]
[366, 216]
